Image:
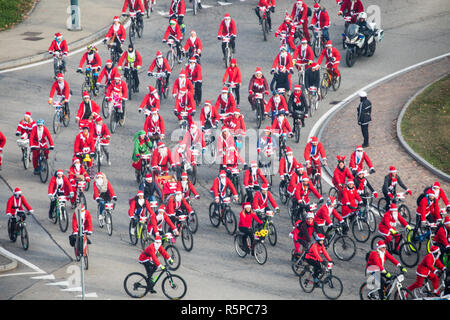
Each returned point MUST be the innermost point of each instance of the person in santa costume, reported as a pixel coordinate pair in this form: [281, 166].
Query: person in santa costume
[281, 126]
[15, 208]
[235, 123]
[297, 177]
[286, 166]
[181, 83]
[76, 174]
[142, 146]
[109, 72]
[262, 198]
[133, 63]
[194, 138]
[287, 28]
[194, 74]
[301, 196]
[177, 205]
[299, 16]
[303, 233]
[25, 126]
[187, 187]
[174, 32]
[282, 69]
[357, 159]
[59, 45]
[351, 8]
[59, 185]
[269, 6]
[440, 194]
[154, 126]
[258, 84]
[333, 58]
[219, 189]
[117, 92]
[86, 220]
[150, 101]
[227, 151]
[87, 111]
[134, 6]
[39, 137]
[387, 228]
[93, 62]
[116, 34]
[185, 103]
[276, 103]
[232, 77]
[225, 103]
[314, 151]
[390, 186]
[159, 219]
[209, 116]
[427, 211]
[350, 200]
[193, 46]
[321, 19]
[364, 187]
[162, 66]
[253, 180]
[314, 259]
[303, 54]
[227, 28]
[63, 93]
[84, 145]
[181, 155]
[162, 159]
[101, 133]
[103, 191]
[177, 12]
[322, 216]
[246, 217]
[442, 237]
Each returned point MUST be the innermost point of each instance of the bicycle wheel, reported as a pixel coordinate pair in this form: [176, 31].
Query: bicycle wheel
[56, 122]
[409, 255]
[132, 233]
[297, 131]
[193, 222]
[306, 280]
[63, 219]
[12, 235]
[140, 29]
[83, 200]
[24, 238]
[360, 230]
[101, 218]
[403, 294]
[273, 237]
[403, 210]
[145, 238]
[230, 221]
[318, 184]
[260, 252]
[113, 121]
[136, 285]
[130, 85]
[412, 237]
[332, 287]
[297, 266]
[324, 84]
[316, 47]
[105, 109]
[66, 116]
[282, 193]
[43, 170]
[238, 246]
[170, 58]
[264, 28]
[366, 293]
[344, 248]
[25, 158]
[312, 110]
[381, 205]
[214, 216]
[336, 83]
[86, 258]
[174, 287]
[187, 238]
[259, 114]
[174, 253]
[333, 192]
[371, 220]
[227, 56]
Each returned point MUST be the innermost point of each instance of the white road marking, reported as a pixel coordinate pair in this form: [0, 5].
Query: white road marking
[21, 260]
[62, 283]
[46, 277]
[88, 295]
[224, 3]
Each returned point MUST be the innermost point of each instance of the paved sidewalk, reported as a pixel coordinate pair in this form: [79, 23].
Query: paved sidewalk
[342, 133]
[33, 36]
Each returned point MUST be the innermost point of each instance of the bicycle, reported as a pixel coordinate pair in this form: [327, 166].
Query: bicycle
[89, 84]
[81, 244]
[367, 198]
[318, 43]
[187, 238]
[258, 105]
[267, 226]
[344, 247]
[282, 189]
[131, 82]
[136, 26]
[172, 52]
[403, 209]
[264, 22]
[60, 214]
[426, 291]
[145, 167]
[99, 153]
[118, 113]
[360, 227]
[210, 154]
[61, 116]
[407, 250]
[331, 285]
[137, 285]
[43, 165]
[422, 233]
[58, 66]
[24, 145]
[313, 100]
[328, 80]
[298, 115]
[20, 229]
[106, 217]
[137, 230]
[299, 262]
[161, 83]
[316, 177]
[80, 199]
[393, 288]
[225, 216]
[257, 247]
[227, 55]
[113, 52]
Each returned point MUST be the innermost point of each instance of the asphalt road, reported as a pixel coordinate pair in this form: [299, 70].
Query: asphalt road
[414, 31]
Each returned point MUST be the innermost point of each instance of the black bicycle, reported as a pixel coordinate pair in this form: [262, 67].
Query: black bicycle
[20, 229]
[330, 284]
[136, 26]
[225, 216]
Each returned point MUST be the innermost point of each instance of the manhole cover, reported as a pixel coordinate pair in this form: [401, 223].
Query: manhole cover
[334, 102]
[31, 34]
[33, 38]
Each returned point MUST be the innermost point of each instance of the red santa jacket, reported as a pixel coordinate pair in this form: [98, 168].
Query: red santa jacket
[212, 115]
[173, 32]
[388, 222]
[195, 74]
[314, 153]
[272, 105]
[188, 189]
[136, 60]
[55, 46]
[179, 157]
[340, 176]
[93, 60]
[225, 107]
[219, 189]
[154, 127]
[299, 13]
[110, 75]
[84, 144]
[350, 197]
[64, 91]
[322, 216]
[236, 125]
[72, 176]
[376, 258]
[36, 141]
[283, 64]
[258, 85]
[120, 89]
[160, 68]
[285, 167]
[186, 84]
[2, 141]
[25, 127]
[194, 138]
[173, 205]
[94, 107]
[302, 193]
[178, 7]
[442, 236]
[13, 205]
[185, 103]
[64, 187]
[357, 163]
[322, 17]
[109, 190]
[134, 205]
[251, 180]
[133, 6]
[245, 219]
[316, 251]
[228, 153]
[162, 162]
[348, 7]
[287, 29]
[87, 226]
[303, 56]
[102, 132]
[260, 202]
[118, 33]
[295, 180]
[232, 74]
[149, 254]
[427, 265]
[225, 30]
[427, 207]
[151, 100]
[196, 44]
[284, 127]
[157, 220]
[334, 57]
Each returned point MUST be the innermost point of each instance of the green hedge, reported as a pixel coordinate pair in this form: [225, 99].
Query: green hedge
[12, 12]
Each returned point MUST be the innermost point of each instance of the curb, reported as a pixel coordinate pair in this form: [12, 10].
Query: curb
[45, 56]
[9, 266]
[406, 146]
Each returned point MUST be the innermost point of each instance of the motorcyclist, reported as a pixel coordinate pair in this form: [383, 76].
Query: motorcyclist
[364, 27]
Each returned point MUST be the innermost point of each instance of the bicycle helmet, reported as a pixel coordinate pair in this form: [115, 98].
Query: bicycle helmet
[40, 122]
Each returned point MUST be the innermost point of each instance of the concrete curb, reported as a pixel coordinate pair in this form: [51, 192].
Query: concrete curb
[8, 266]
[406, 146]
[72, 47]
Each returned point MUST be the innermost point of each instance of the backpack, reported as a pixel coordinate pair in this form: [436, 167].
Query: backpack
[422, 195]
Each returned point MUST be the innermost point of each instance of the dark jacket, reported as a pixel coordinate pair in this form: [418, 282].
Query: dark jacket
[312, 78]
[303, 106]
[364, 111]
[149, 189]
[388, 182]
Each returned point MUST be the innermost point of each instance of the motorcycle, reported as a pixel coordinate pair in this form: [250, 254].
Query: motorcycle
[356, 42]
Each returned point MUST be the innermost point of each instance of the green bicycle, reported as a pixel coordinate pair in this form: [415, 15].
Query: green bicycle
[137, 230]
[268, 226]
[89, 84]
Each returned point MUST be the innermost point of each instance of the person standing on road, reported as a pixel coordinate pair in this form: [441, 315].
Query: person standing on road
[364, 116]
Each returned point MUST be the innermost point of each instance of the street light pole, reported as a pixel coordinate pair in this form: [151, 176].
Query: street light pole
[75, 16]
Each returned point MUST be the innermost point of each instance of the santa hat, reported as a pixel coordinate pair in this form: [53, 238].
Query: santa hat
[316, 6]
[59, 76]
[329, 44]
[118, 77]
[182, 73]
[158, 239]
[288, 150]
[314, 139]
[140, 193]
[161, 144]
[393, 207]
[381, 244]
[184, 175]
[331, 200]
[162, 207]
[224, 89]
[159, 54]
[305, 179]
[304, 40]
[17, 191]
[258, 70]
[192, 59]
[152, 89]
[246, 205]
[224, 129]
[253, 163]
[298, 166]
[434, 249]
[116, 18]
[86, 94]
[265, 186]
[27, 114]
[320, 237]
[430, 192]
[148, 176]
[59, 172]
[207, 102]
[350, 181]
[310, 215]
[108, 61]
[75, 159]
[392, 169]
[314, 65]
[436, 185]
[287, 16]
[268, 129]
[222, 173]
[226, 15]
[359, 148]
[361, 171]
[297, 87]
[233, 61]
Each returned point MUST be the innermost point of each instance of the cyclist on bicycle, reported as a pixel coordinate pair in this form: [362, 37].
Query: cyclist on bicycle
[351, 8]
[233, 77]
[260, 201]
[427, 210]
[181, 83]
[387, 228]
[117, 92]
[110, 72]
[340, 175]
[193, 46]
[149, 259]
[442, 237]
[287, 28]
[245, 225]
[62, 90]
[103, 191]
[209, 116]
[321, 19]
[84, 145]
[194, 139]
[86, 218]
[187, 187]
[181, 156]
[39, 137]
[235, 123]
[93, 62]
[258, 84]
[77, 173]
[158, 219]
[428, 268]
[312, 78]
[149, 187]
[101, 133]
[219, 189]
[133, 62]
[357, 159]
[174, 31]
[251, 180]
[151, 101]
[375, 263]
[225, 103]
[287, 165]
[25, 126]
[185, 103]
[162, 159]
[280, 125]
[194, 74]
[276, 103]
[440, 194]
[302, 233]
[333, 58]
[314, 259]
[134, 6]
[177, 205]
[154, 126]
[266, 144]
[390, 185]
[177, 11]
[15, 205]
[361, 183]
[59, 185]
[269, 8]
[303, 54]
[140, 209]
[314, 150]
[117, 33]
[322, 217]
[297, 103]
[299, 16]
[87, 111]
[350, 200]
[297, 177]
[59, 45]
[162, 66]
[282, 69]
[227, 28]
[142, 146]
[301, 195]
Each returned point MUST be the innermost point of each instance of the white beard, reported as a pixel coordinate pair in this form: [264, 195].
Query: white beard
[223, 181]
[141, 202]
[90, 56]
[207, 110]
[184, 184]
[157, 245]
[192, 66]
[99, 181]
[40, 132]
[155, 118]
[178, 198]
[395, 216]
[359, 154]
[254, 171]
[163, 152]
[225, 97]
[59, 181]
[290, 158]
[61, 85]
[116, 27]
[280, 120]
[193, 40]
[284, 54]
[77, 167]
[277, 99]
[98, 128]
[227, 23]
[159, 61]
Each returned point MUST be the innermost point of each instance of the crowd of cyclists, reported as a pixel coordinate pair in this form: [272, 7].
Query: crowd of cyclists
[165, 176]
